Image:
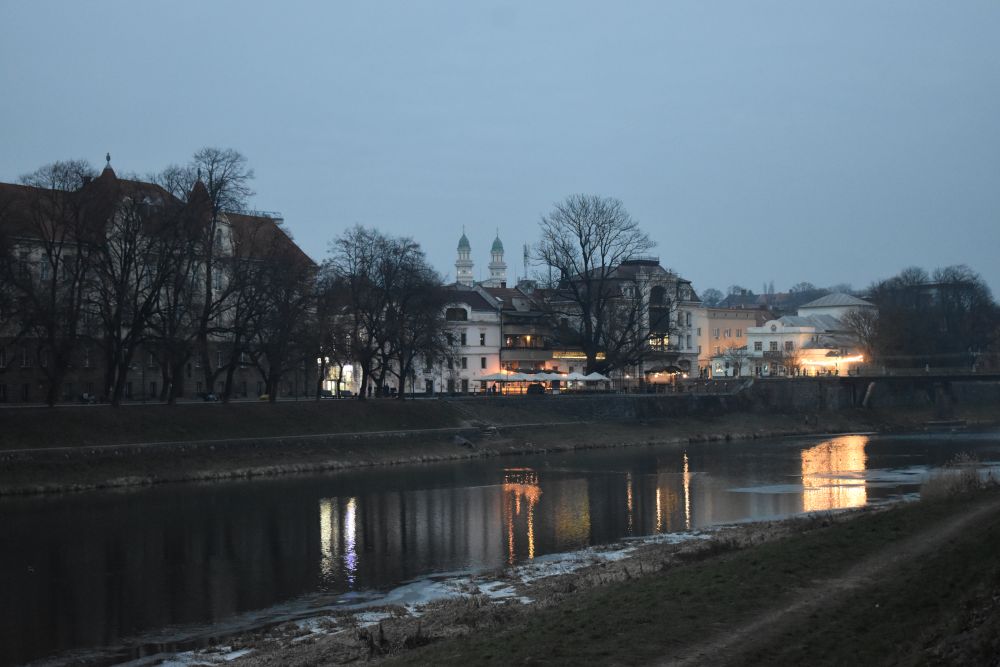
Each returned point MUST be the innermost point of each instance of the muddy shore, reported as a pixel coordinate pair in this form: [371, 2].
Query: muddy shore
[454, 433]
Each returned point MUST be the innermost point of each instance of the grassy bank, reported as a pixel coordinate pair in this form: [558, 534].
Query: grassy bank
[888, 587]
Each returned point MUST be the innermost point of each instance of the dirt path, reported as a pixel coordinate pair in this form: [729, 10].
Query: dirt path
[730, 644]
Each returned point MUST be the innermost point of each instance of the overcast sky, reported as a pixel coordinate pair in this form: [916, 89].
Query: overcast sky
[754, 141]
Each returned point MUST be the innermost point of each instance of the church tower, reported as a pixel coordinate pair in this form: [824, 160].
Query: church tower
[498, 268]
[463, 265]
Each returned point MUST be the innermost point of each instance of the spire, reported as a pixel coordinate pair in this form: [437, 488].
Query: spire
[463, 265]
[108, 171]
[498, 268]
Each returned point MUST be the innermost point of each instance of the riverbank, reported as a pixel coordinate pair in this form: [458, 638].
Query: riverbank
[78, 449]
[910, 583]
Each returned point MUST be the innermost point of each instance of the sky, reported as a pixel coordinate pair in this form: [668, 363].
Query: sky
[834, 142]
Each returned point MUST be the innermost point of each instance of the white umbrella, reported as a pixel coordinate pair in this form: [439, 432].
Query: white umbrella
[576, 376]
[594, 377]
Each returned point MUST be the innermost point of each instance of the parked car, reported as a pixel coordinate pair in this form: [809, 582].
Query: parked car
[88, 398]
[535, 389]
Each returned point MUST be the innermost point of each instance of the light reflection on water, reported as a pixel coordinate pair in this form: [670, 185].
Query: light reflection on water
[89, 569]
[833, 474]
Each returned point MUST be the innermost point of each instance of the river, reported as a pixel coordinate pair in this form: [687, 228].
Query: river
[113, 575]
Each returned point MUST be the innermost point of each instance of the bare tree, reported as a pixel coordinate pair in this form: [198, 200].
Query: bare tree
[216, 181]
[864, 324]
[282, 323]
[45, 263]
[712, 297]
[143, 248]
[584, 240]
[736, 357]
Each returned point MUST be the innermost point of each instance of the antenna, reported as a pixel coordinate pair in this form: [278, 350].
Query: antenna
[525, 261]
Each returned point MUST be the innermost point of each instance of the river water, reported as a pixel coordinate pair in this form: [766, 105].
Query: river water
[118, 574]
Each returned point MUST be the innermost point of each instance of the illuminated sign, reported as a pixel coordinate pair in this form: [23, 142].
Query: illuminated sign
[566, 354]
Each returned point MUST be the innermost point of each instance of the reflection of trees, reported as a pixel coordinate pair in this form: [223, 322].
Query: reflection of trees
[832, 474]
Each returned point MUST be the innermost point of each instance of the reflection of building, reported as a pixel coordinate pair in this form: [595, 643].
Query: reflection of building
[520, 484]
[833, 474]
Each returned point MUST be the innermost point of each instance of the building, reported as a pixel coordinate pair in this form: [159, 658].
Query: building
[473, 318]
[814, 342]
[719, 329]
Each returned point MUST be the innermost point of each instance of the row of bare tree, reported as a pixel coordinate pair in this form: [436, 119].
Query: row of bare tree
[127, 266]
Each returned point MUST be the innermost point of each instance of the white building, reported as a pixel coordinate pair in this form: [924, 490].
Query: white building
[814, 342]
[474, 321]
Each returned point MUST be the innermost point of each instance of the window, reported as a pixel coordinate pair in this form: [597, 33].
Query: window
[217, 281]
[789, 346]
[728, 333]
[86, 358]
[482, 362]
[482, 338]
[151, 361]
[197, 387]
[688, 341]
[465, 386]
[718, 350]
[462, 338]
[152, 390]
[451, 366]
[774, 346]
[698, 331]
[715, 333]
[244, 360]
[428, 363]
[739, 333]
[3, 357]
[218, 358]
[456, 315]
[687, 319]
[25, 358]
[758, 346]
[44, 270]
[3, 393]
[25, 391]
[465, 362]
[428, 386]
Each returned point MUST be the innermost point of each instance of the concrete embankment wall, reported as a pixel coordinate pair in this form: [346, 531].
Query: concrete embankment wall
[833, 394]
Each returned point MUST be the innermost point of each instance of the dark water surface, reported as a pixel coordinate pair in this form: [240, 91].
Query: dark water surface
[117, 568]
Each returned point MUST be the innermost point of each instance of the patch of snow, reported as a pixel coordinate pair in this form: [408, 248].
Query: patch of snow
[369, 618]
